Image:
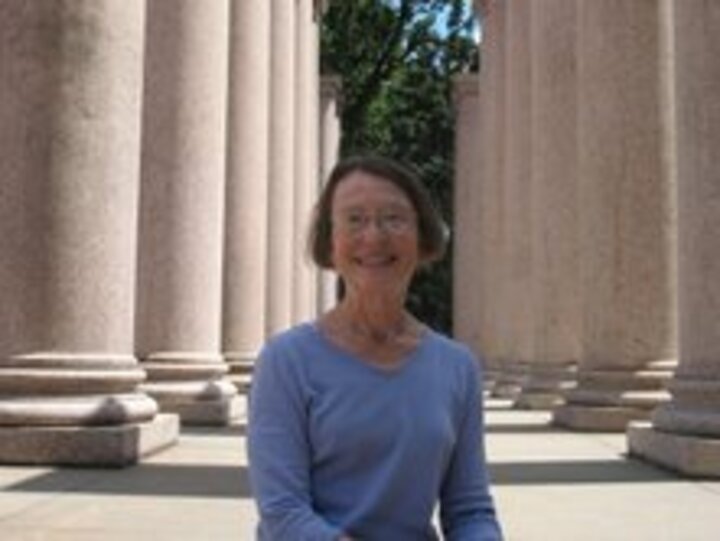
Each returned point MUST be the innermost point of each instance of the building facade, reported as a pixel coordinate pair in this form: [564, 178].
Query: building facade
[595, 201]
[159, 161]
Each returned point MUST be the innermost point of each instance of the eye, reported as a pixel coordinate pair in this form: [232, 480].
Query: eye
[354, 221]
[395, 221]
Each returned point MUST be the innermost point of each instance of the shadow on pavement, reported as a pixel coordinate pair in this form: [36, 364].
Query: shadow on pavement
[232, 430]
[577, 471]
[145, 480]
[521, 428]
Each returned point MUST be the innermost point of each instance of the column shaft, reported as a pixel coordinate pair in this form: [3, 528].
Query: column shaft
[492, 92]
[306, 158]
[685, 433]
[469, 268]
[517, 281]
[627, 218]
[181, 221]
[554, 262]
[281, 189]
[70, 80]
[246, 211]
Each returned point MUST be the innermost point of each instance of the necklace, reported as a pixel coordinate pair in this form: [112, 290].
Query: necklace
[379, 335]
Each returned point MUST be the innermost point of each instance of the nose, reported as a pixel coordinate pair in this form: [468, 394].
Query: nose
[374, 226]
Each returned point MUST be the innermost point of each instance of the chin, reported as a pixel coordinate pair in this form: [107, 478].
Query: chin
[381, 283]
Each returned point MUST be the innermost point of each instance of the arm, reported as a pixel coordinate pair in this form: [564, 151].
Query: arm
[279, 455]
[467, 512]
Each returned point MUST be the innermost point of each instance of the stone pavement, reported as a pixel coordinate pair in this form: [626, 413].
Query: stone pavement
[549, 485]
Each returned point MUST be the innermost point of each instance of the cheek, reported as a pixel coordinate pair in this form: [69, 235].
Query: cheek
[337, 248]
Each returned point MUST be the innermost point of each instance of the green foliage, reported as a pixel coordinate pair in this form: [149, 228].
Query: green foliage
[397, 60]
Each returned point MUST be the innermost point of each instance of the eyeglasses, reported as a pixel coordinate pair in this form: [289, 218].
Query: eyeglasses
[391, 222]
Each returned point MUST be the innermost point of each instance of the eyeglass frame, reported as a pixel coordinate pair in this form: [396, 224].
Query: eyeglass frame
[390, 222]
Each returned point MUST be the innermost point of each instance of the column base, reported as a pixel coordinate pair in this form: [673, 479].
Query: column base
[537, 401]
[544, 386]
[508, 380]
[208, 413]
[241, 370]
[690, 455]
[596, 419]
[505, 390]
[106, 446]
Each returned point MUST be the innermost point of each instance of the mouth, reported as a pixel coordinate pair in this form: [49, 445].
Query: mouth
[376, 261]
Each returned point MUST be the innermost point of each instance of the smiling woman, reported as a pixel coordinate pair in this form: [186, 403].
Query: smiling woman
[365, 419]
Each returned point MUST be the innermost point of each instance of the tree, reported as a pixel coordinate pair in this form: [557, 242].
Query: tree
[397, 60]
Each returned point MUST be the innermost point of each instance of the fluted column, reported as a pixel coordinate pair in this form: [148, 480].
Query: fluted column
[492, 94]
[685, 432]
[281, 188]
[517, 281]
[246, 216]
[627, 224]
[181, 221]
[554, 213]
[70, 80]
[330, 107]
[469, 284]
[307, 101]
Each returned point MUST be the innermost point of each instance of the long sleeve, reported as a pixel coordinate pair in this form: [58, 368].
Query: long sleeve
[466, 508]
[279, 455]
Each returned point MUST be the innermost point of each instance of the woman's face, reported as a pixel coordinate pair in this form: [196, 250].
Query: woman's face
[375, 245]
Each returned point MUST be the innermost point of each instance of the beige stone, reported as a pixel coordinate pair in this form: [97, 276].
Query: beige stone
[492, 141]
[518, 183]
[70, 80]
[246, 204]
[307, 103]
[469, 282]
[181, 223]
[627, 210]
[109, 445]
[685, 432]
[281, 188]
[554, 217]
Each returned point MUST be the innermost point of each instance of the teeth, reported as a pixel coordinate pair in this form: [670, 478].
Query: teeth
[376, 261]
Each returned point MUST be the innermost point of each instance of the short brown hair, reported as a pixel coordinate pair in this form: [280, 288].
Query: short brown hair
[432, 231]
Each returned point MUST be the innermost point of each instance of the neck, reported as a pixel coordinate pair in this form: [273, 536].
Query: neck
[376, 317]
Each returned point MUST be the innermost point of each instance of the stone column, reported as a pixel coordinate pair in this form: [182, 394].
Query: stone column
[246, 204]
[469, 284]
[307, 101]
[70, 81]
[492, 141]
[685, 433]
[517, 280]
[555, 299]
[181, 210]
[281, 172]
[330, 107]
[627, 223]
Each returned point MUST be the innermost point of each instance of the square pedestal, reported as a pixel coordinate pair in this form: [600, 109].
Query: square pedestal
[597, 419]
[537, 401]
[209, 412]
[116, 446]
[689, 455]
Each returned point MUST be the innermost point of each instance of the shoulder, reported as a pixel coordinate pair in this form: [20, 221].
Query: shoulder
[288, 350]
[452, 351]
[456, 359]
[288, 340]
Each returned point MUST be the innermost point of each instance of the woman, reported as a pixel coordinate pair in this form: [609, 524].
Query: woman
[363, 420]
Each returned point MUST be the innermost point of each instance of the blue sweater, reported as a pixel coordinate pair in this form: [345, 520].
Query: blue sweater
[338, 445]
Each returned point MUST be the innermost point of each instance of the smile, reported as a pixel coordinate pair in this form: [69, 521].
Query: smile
[375, 261]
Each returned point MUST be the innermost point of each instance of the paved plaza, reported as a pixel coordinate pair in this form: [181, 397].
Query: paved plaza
[549, 484]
